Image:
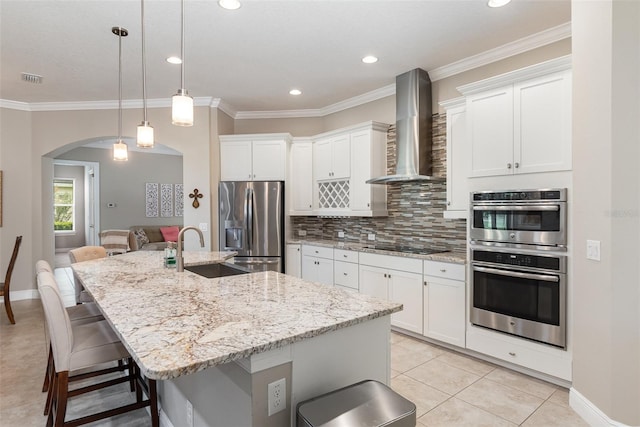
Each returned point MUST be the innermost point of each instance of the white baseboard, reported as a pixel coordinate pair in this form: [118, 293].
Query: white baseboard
[590, 412]
[22, 295]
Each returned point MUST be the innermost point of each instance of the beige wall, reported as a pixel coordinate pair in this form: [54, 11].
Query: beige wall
[30, 141]
[606, 159]
[295, 126]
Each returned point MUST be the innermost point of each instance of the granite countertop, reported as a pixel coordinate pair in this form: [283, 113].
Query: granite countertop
[176, 324]
[457, 257]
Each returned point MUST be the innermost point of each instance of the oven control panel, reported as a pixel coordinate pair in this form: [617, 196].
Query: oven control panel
[559, 194]
[553, 263]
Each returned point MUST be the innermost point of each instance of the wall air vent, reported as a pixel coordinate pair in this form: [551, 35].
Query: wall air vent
[31, 78]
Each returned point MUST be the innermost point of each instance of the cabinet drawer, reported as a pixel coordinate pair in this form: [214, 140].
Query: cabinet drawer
[412, 265]
[345, 274]
[347, 256]
[317, 251]
[531, 355]
[446, 270]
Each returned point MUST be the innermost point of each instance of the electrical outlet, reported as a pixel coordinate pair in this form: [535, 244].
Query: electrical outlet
[341, 234]
[593, 250]
[302, 233]
[371, 236]
[189, 414]
[204, 226]
[277, 396]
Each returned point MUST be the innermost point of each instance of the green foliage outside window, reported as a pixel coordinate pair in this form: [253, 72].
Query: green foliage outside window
[63, 204]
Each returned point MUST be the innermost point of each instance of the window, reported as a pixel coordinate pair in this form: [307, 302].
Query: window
[63, 204]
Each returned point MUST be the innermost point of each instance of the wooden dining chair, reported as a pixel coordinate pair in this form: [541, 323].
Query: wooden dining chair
[82, 347]
[4, 286]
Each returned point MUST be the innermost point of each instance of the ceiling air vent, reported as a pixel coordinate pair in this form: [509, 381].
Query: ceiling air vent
[31, 78]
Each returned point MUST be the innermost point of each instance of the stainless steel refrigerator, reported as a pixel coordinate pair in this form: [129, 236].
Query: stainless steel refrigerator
[251, 222]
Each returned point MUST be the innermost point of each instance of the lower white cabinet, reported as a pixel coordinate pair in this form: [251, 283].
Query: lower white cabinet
[444, 302]
[403, 286]
[317, 264]
[345, 269]
[293, 260]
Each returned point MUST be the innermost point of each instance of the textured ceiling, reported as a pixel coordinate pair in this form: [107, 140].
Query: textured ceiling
[250, 57]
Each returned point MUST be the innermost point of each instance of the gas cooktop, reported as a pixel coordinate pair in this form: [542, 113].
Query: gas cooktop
[406, 249]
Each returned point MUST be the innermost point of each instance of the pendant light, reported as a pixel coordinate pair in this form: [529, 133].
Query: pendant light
[120, 151]
[182, 103]
[145, 130]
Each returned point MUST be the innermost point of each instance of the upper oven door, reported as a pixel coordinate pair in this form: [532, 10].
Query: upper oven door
[520, 223]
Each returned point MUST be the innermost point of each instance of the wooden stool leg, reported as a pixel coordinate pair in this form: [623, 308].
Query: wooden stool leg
[61, 400]
[153, 397]
[47, 374]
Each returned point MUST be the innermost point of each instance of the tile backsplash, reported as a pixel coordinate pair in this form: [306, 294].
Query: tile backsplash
[415, 209]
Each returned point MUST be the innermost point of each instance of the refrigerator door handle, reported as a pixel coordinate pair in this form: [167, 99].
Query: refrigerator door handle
[248, 216]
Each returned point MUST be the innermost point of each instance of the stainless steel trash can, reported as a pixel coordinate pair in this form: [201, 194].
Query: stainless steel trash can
[365, 404]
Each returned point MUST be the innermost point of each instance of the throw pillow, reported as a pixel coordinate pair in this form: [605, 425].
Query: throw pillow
[170, 234]
[141, 237]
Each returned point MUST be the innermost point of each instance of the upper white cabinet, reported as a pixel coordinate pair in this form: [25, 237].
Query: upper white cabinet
[520, 122]
[343, 160]
[300, 190]
[331, 157]
[458, 159]
[260, 157]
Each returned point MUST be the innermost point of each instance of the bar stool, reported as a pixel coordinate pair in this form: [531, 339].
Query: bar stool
[84, 346]
[84, 253]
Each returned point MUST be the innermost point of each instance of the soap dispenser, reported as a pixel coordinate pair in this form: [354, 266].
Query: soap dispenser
[170, 253]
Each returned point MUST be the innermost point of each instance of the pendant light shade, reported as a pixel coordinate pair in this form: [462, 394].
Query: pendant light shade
[120, 151]
[182, 103]
[145, 138]
[182, 109]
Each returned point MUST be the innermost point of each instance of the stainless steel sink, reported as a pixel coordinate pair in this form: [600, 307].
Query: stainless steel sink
[211, 271]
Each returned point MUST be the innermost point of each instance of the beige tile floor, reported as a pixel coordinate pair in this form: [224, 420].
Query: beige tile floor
[448, 388]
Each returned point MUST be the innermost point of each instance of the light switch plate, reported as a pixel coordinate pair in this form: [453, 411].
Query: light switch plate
[341, 234]
[302, 233]
[203, 226]
[371, 236]
[593, 250]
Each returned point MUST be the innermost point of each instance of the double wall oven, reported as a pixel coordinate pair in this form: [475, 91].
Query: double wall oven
[518, 261]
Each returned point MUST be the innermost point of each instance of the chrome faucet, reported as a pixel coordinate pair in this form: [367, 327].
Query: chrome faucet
[180, 265]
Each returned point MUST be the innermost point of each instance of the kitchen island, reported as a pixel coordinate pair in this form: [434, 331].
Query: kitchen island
[218, 343]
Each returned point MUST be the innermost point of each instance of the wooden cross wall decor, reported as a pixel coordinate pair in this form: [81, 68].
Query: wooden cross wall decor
[195, 196]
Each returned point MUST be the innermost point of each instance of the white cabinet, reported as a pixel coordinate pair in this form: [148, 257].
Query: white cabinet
[300, 189]
[293, 260]
[343, 160]
[345, 269]
[317, 264]
[444, 302]
[368, 160]
[331, 157]
[458, 159]
[396, 279]
[520, 122]
[260, 157]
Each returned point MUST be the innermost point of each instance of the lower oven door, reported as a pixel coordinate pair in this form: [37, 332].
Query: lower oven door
[521, 303]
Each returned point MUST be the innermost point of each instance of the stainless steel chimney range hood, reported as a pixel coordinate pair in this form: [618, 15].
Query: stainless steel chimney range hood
[413, 130]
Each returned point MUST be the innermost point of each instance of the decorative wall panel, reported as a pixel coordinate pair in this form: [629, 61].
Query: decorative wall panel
[151, 199]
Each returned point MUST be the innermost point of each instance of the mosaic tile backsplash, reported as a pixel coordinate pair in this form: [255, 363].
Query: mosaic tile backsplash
[415, 209]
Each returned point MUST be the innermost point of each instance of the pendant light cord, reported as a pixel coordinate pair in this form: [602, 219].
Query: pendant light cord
[120, 85]
[182, 46]
[144, 64]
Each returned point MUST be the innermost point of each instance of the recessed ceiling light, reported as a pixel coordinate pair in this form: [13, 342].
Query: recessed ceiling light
[174, 60]
[497, 3]
[295, 92]
[370, 59]
[229, 4]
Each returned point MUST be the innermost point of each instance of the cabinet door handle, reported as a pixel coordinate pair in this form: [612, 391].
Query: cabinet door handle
[448, 203]
[425, 283]
[508, 165]
[512, 354]
[517, 165]
[344, 256]
[309, 205]
[345, 274]
[385, 274]
[443, 270]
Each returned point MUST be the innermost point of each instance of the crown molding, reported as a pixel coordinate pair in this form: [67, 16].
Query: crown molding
[516, 47]
[513, 48]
